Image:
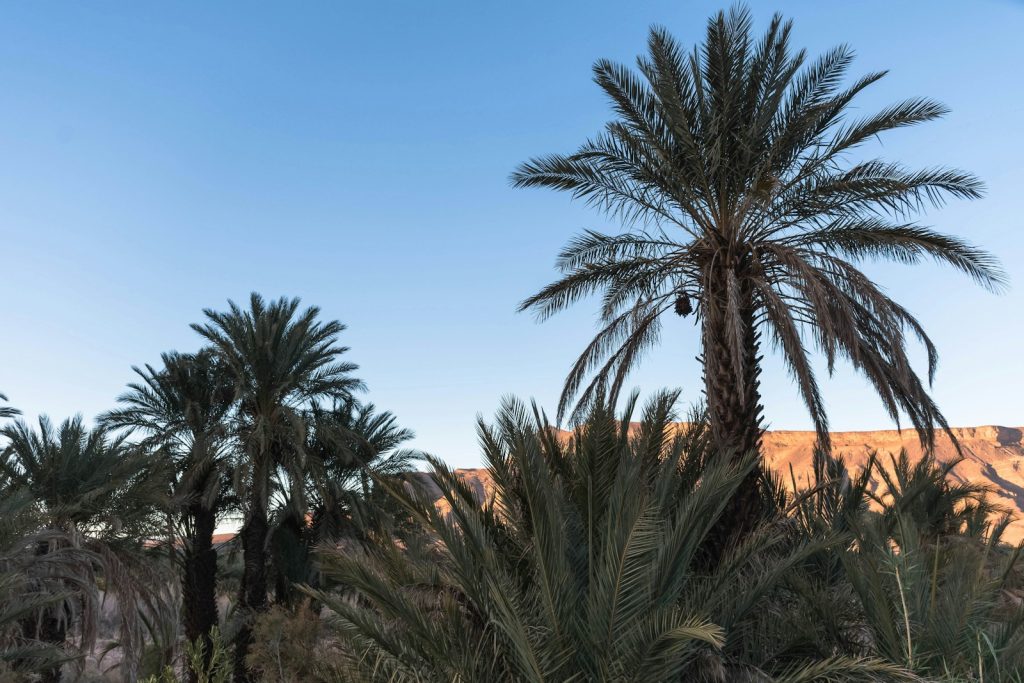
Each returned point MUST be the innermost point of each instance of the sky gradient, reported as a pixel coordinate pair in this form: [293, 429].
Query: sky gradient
[160, 158]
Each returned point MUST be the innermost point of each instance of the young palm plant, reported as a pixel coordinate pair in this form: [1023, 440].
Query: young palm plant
[922, 579]
[183, 411]
[750, 202]
[938, 597]
[281, 361]
[923, 493]
[92, 498]
[586, 564]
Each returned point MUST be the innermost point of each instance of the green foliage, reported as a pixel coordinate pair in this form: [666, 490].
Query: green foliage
[282, 650]
[589, 563]
[182, 412]
[31, 586]
[349, 445]
[210, 667]
[80, 479]
[924, 580]
[921, 494]
[281, 361]
[86, 505]
[940, 594]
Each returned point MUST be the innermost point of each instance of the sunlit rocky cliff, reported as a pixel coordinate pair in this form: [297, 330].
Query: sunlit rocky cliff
[992, 455]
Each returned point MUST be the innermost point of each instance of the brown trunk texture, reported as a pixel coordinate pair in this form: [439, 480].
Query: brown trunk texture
[732, 388]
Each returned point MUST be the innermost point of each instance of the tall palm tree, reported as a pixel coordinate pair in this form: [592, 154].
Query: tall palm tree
[282, 360]
[750, 203]
[93, 493]
[183, 409]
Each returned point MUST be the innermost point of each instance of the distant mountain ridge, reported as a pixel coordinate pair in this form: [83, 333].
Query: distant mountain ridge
[992, 455]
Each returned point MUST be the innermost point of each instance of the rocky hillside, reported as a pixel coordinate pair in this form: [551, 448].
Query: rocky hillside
[993, 456]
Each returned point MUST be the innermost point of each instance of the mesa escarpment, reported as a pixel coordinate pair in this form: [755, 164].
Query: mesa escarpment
[992, 455]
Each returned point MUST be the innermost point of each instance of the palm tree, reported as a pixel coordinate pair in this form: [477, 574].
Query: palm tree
[32, 587]
[349, 445]
[353, 443]
[282, 361]
[31, 584]
[750, 203]
[183, 409]
[584, 564]
[921, 575]
[7, 411]
[92, 493]
[928, 494]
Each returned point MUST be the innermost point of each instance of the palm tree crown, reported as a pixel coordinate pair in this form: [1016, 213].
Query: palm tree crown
[81, 479]
[281, 361]
[183, 409]
[750, 202]
[350, 440]
[349, 446]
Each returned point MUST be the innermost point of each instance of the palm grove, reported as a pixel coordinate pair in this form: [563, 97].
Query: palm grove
[654, 552]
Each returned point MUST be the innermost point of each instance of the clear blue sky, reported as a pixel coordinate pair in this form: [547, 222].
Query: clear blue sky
[158, 158]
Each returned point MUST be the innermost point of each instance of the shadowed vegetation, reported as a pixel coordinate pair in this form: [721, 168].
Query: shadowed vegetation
[594, 559]
[88, 498]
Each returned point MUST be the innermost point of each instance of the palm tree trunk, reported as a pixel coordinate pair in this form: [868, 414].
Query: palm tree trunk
[252, 598]
[53, 630]
[732, 392]
[51, 627]
[291, 557]
[199, 583]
